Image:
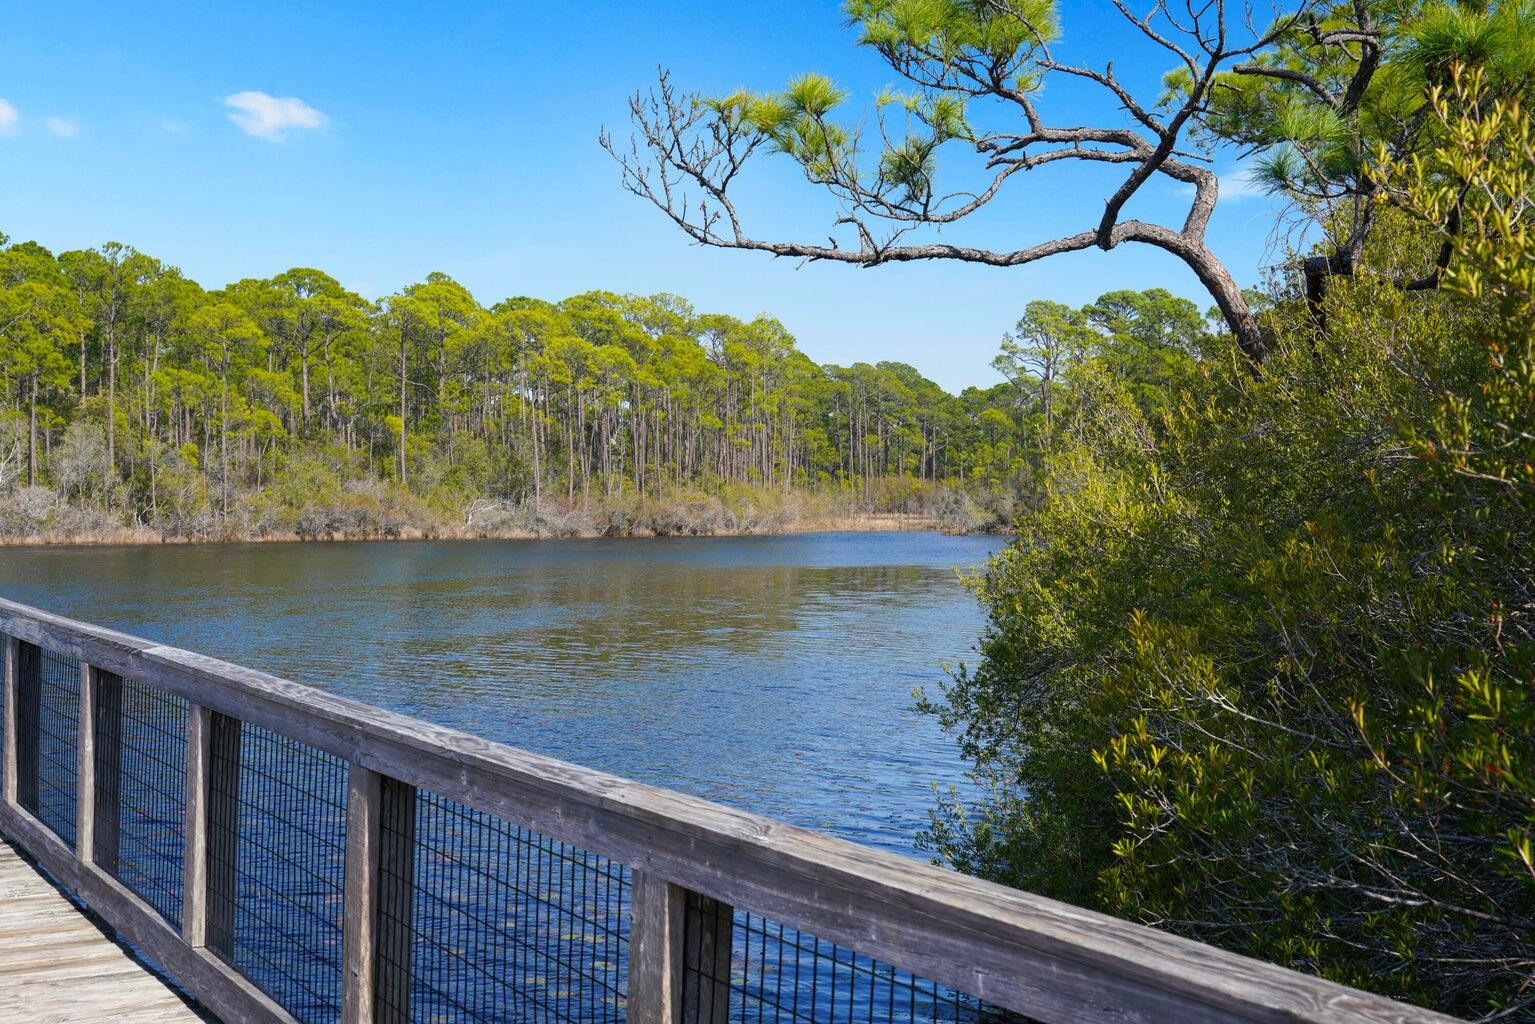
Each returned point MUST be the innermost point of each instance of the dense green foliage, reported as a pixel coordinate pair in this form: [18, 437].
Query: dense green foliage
[290, 404]
[1261, 666]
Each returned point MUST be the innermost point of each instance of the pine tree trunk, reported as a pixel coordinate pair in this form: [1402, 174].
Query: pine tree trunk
[402, 407]
[32, 437]
[112, 400]
[224, 444]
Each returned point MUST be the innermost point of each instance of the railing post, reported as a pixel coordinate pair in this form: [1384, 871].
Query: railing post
[26, 698]
[106, 774]
[222, 833]
[361, 894]
[194, 859]
[679, 954]
[97, 767]
[708, 930]
[657, 910]
[380, 880]
[393, 933]
[85, 768]
[12, 657]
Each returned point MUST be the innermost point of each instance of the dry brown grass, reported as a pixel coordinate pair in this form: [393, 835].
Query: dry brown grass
[870, 522]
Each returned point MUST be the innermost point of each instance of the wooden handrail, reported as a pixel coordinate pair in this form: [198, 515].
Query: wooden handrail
[1036, 956]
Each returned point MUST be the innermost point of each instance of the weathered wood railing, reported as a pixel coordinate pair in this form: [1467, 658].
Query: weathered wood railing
[699, 876]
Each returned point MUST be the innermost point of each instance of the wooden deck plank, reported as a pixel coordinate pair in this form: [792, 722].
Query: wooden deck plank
[56, 965]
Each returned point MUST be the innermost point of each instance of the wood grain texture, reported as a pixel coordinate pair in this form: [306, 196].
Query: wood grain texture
[216, 985]
[394, 914]
[656, 909]
[1037, 956]
[8, 769]
[194, 857]
[55, 965]
[707, 933]
[359, 907]
[85, 768]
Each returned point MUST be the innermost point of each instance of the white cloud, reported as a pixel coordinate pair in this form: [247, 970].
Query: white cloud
[8, 118]
[1240, 184]
[63, 127]
[270, 117]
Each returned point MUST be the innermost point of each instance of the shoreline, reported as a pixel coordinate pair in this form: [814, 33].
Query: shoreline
[871, 522]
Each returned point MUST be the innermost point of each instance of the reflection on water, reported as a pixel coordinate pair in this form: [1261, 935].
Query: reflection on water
[773, 673]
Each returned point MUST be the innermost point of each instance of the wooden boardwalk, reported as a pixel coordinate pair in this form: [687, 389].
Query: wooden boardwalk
[57, 967]
[530, 839]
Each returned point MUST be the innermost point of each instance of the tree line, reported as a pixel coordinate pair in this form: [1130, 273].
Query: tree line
[133, 391]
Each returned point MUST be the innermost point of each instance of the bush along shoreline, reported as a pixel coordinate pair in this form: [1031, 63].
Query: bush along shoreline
[1261, 670]
[372, 510]
[133, 399]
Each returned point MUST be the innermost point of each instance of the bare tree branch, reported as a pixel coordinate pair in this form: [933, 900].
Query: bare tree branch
[688, 152]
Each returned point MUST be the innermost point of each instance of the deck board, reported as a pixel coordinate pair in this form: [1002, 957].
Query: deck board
[56, 966]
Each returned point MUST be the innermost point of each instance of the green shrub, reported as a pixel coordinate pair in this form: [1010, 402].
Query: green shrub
[1265, 673]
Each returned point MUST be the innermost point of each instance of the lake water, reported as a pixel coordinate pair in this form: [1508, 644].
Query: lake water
[771, 673]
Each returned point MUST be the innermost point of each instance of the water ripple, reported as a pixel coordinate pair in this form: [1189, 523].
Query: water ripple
[774, 673]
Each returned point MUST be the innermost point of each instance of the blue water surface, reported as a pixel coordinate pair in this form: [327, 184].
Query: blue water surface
[771, 673]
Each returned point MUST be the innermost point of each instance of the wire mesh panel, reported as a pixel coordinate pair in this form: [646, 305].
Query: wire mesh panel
[141, 775]
[504, 924]
[772, 974]
[277, 855]
[57, 690]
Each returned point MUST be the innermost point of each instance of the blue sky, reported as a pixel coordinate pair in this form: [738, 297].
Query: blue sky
[462, 138]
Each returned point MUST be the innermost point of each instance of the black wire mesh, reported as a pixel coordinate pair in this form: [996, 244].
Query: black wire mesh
[504, 925]
[772, 974]
[277, 855]
[58, 743]
[479, 920]
[141, 777]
